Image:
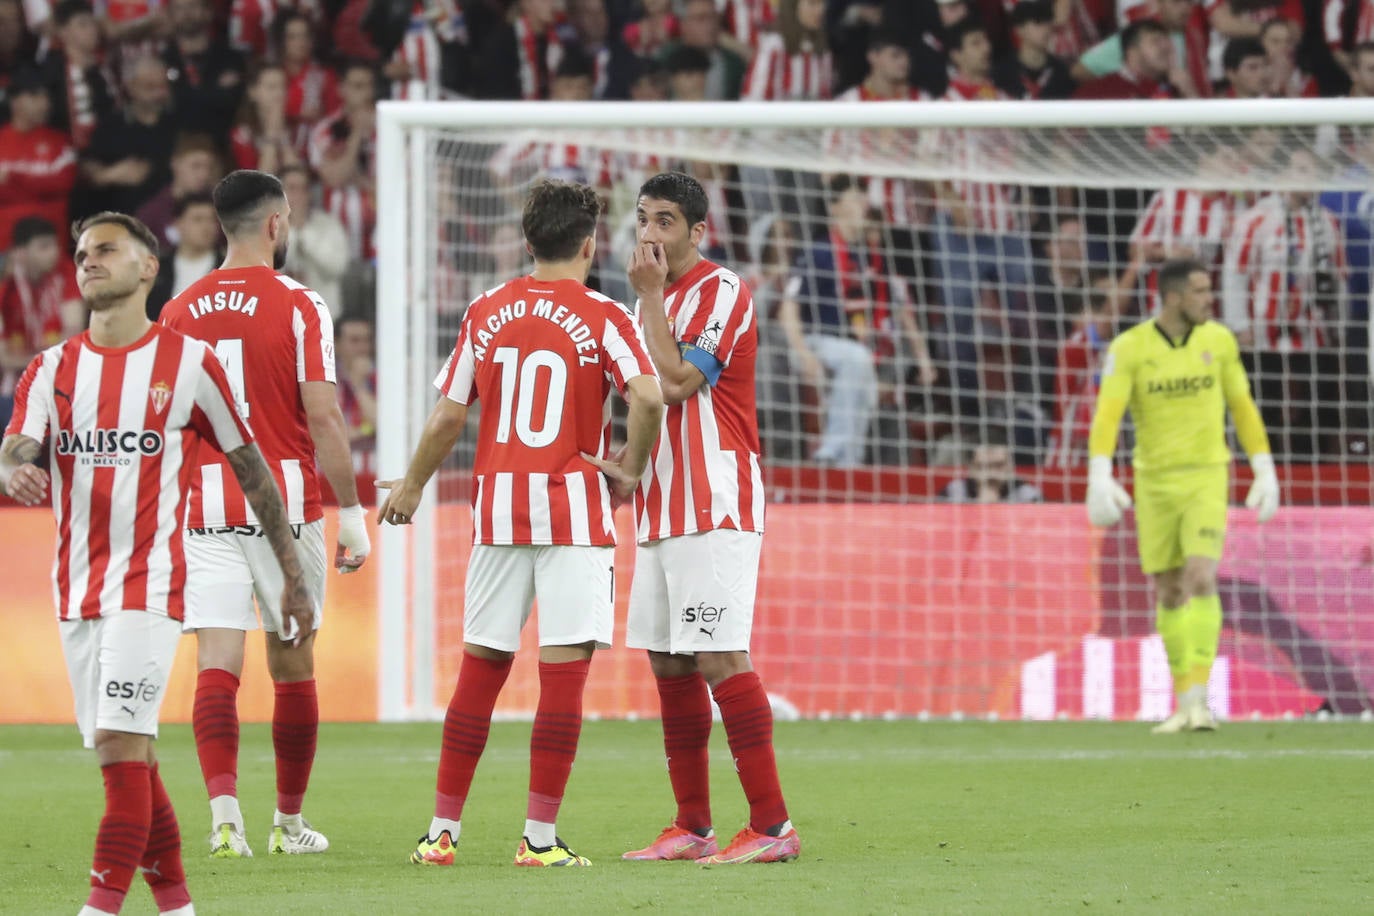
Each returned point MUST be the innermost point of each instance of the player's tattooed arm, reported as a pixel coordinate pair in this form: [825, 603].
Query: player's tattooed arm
[20, 479]
[262, 494]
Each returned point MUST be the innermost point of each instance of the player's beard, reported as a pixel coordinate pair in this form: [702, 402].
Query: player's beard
[113, 291]
[279, 253]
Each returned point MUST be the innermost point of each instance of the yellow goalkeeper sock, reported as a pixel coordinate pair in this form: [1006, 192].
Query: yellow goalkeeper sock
[1172, 626]
[1203, 622]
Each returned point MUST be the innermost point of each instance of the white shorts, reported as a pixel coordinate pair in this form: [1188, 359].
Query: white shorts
[119, 665]
[695, 593]
[227, 568]
[575, 587]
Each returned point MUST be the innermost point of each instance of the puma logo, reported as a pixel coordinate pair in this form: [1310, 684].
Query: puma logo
[101, 875]
[710, 634]
[62, 394]
[131, 713]
[153, 869]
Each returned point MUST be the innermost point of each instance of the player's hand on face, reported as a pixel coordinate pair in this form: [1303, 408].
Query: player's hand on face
[297, 613]
[28, 485]
[398, 508]
[623, 484]
[648, 270]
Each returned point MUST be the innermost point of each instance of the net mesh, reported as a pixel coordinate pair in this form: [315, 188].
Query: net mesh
[933, 307]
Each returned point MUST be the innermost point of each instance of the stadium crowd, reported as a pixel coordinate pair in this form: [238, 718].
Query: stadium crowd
[900, 320]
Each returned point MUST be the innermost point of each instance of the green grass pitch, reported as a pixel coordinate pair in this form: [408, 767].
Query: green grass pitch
[895, 817]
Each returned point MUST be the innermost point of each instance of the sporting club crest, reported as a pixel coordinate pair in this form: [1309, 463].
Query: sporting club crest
[160, 393]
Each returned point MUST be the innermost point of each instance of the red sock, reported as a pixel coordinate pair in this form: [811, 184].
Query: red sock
[295, 726]
[123, 833]
[748, 719]
[466, 726]
[161, 865]
[216, 718]
[553, 744]
[686, 708]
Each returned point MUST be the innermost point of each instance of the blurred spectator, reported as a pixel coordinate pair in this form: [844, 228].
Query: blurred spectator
[1147, 59]
[1031, 71]
[888, 77]
[687, 72]
[1242, 19]
[1246, 66]
[195, 253]
[353, 349]
[82, 88]
[922, 24]
[1354, 211]
[649, 83]
[195, 168]
[991, 475]
[614, 64]
[772, 244]
[793, 62]
[745, 22]
[17, 46]
[655, 28]
[1079, 365]
[851, 24]
[129, 157]
[516, 60]
[312, 89]
[318, 253]
[342, 152]
[37, 163]
[428, 57]
[250, 22]
[824, 314]
[897, 340]
[1072, 26]
[701, 31]
[263, 137]
[970, 57]
[1347, 24]
[206, 74]
[1279, 37]
[1362, 71]
[39, 302]
[1188, 32]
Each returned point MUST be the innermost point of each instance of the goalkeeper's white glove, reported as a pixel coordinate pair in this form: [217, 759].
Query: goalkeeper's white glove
[1107, 499]
[354, 544]
[1264, 492]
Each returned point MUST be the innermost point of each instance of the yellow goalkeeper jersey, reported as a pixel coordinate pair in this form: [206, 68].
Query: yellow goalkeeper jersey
[1177, 392]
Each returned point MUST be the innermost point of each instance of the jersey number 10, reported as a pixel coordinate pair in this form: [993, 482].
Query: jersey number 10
[520, 381]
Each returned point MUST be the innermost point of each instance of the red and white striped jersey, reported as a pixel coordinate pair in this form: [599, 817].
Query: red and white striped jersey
[746, 19]
[1179, 218]
[776, 76]
[422, 48]
[271, 334]
[705, 472]
[542, 357]
[1270, 279]
[567, 161]
[250, 22]
[898, 198]
[121, 423]
[1333, 22]
[352, 204]
[991, 207]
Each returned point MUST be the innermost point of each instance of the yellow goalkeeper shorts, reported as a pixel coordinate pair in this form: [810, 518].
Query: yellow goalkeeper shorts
[1180, 514]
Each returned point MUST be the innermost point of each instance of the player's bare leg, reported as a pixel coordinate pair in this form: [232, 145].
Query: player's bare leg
[747, 716]
[553, 748]
[295, 733]
[219, 660]
[685, 707]
[138, 830]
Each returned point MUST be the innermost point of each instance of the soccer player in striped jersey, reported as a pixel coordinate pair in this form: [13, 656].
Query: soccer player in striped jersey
[122, 406]
[1178, 373]
[700, 513]
[276, 341]
[542, 354]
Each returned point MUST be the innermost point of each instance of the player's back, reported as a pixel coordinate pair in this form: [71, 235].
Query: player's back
[541, 357]
[271, 334]
[1178, 400]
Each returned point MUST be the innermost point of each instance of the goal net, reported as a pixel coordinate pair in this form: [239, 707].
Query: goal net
[935, 286]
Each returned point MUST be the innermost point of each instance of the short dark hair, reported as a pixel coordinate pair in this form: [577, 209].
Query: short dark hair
[681, 189]
[956, 33]
[240, 196]
[559, 216]
[28, 228]
[1239, 50]
[132, 225]
[1174, 274]
[575, 64]
[1031, 11]
[1132, 35]
[842, 182]
[187, 201]
[67, 10]
[1364, 47]
[878, 39]
[684, 59]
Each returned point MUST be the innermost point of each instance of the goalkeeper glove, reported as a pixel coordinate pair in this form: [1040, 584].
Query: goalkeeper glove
[1107, 499]
[1264, 492]
[352, 538]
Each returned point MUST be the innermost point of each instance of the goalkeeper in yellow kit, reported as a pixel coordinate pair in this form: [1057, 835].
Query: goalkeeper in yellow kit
[1178, 372]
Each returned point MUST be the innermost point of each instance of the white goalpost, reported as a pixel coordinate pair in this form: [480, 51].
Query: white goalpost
[927, 551]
